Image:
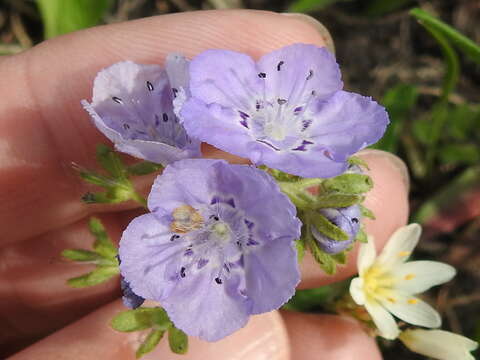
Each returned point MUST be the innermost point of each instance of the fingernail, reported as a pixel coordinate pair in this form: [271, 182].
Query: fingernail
[397, 163]
[327, 38]
[264, 338]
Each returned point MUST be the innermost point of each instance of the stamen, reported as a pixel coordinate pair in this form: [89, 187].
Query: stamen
[409, 276]
[280, 65]
[355, 220]
[268, 144]
[214, 217]
[310, 75]
[126, 126]
[174, 91]
[281, 101]
[412, 301]
[262, 75]
[165, 117]
[117, 100]
[174, 237]
[201, 263]
[182, 272]
[149, 86]
[218, 281]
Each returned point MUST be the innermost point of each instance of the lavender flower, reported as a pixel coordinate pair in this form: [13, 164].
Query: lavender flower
[132, 105]
[347, 219]
[286, 111]
[211, 251]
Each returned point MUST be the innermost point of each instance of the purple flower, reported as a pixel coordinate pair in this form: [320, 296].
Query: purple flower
[216, 248]
[286, 111]
[132, 105]
[347, 219]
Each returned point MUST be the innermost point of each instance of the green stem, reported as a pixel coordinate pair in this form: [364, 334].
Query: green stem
[139, 198]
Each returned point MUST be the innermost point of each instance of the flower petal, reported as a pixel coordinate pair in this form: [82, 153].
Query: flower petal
[366, 255]
[439, 344]
[384, 322]
[356, 291]
[225, 77]
[334, 118]
[294, 71]
[201, 307]
[145, 252]
[412, 310]
[268, 285]
[400, 245]
[418, 276]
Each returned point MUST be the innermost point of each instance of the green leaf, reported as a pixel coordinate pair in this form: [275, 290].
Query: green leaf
[300, 246]
[381, 7]
[150, 342]
[160, 319]
[341, 257]
[462, 42]
[355, 160]
[326, 262]
[349, 184]
[398, 101]
[309, 299]
[97, 276]
[64, 16]
[300, 6]
[336, 200]
[326, 227]
[361, 236]
[102, 245]
[463, 121]
[460, 154]
[134, 320]
[95, 179]
[80, 255]
[367, 212]
[144, 168]
[111, 162]
[177, 340]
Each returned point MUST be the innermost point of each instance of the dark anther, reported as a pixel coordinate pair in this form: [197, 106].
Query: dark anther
[149, 86]
[218, 281]
[314, 93]
[214, 217]
[355, 220]
[117, 100]
[280, 65]
[262, 75]
[174, 237]
[310, 75]
[165, 117]
[239, 244]
[175, 91]
[182, 272]
[126, 126]
[281, 101]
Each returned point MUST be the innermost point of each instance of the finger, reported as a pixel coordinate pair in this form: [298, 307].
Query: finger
[326, 337]
[264, 337]
[388, 200]
[44, 128]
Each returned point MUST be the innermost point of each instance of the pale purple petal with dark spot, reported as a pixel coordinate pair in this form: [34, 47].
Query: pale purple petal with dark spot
[129, 298]
[347, 219]
[132, 106]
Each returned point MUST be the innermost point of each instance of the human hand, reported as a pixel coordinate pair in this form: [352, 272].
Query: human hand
[44, 129]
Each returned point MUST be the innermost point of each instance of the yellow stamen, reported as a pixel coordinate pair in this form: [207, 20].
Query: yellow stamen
[412, 301]
[392, 300]
[185, 219]
[404, 253]
[409, 276]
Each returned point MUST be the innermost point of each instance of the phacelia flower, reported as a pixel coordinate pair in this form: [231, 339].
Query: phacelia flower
[132, 105]
[347, 219]
[129, 298]
[287, 111]
[387, 284]
[210, 251]
[439, 344]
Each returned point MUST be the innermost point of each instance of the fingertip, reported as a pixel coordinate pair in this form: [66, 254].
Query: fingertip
[328, 337]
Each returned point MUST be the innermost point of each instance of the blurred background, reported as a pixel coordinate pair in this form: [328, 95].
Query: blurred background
[422, 64]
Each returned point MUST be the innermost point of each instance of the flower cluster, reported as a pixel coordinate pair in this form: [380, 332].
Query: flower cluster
[387, 286]
[218, 242]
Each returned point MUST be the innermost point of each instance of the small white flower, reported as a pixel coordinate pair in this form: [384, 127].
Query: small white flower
[439, 344]
[387, 283]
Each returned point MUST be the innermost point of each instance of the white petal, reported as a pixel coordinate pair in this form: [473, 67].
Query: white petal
[366, 255]
[418, 276]
[356, 291]
[439, 344]
[400, 245]
[412, 310]
[384, 322]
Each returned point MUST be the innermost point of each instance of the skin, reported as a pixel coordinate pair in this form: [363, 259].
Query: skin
[43, 129]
